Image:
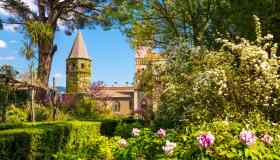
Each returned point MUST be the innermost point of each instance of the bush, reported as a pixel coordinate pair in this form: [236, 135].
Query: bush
[96, 148]
[85, 108]
[240, 77]
[43, 140]
[108, 127]
[124, 129]
[226, 142]
[119, 127]
[16, 114]
[147, 145]
[43, 113]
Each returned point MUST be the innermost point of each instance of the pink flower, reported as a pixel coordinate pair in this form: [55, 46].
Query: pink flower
[247, 137]
[205, 140]
[135, 132]
[123, 143]
[169, 147]
[266, 139]
[161, 133]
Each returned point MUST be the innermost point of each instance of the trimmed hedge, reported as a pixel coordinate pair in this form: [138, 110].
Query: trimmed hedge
[108, 127]
[43, 140]
[119, 127]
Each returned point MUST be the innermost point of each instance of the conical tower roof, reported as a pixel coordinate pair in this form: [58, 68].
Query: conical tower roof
[79, 49]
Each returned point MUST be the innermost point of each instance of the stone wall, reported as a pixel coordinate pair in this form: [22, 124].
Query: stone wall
[78, 75]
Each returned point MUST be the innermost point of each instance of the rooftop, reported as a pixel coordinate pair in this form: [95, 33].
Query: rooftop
[79, 49]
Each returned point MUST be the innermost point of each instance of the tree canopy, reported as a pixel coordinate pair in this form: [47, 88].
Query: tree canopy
[40, 19]
[157, 23]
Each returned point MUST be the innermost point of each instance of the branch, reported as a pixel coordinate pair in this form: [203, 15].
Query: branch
[7, 22]
[20, 8]
[163, 10]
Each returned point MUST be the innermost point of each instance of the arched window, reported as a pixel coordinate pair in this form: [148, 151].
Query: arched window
[116, 107]
[82, 66]
[73, 66]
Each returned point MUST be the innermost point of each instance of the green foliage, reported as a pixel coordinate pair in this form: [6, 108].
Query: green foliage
[41, 23]
[152, 23]
[119, 127]
[124, 129]
[43, 113]
[241, 77]
[98, 148]
[146, 146]
[16, 114]
[227, 144]
[63, 115]
[85, 108]
[108, 126]
[39, 31]
[9, 71]
[42, 140]
[146, 84]
[235, 17]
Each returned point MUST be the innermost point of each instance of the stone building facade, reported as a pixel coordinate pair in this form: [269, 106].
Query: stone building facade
[117, 98]
[120, 99]
[78, 68]
[144, 57]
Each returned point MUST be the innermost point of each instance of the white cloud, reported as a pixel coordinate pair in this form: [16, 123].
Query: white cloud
[58, 76]
[10, 27]
[7, 58]
[61, 26]
[30, 3]
[3, 44]
[3, 12]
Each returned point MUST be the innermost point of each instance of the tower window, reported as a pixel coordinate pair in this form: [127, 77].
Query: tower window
[116, 106]
[73, 66]
[82, 65]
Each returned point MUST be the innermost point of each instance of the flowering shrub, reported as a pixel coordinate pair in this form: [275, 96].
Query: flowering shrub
[124, 129]
[240, 77]
[169, 147]
[231, 141]
[135, 132]
[146, 145]
[205, 140]
[161, 133]
[267, 139]
[123, 143]
[247, 137]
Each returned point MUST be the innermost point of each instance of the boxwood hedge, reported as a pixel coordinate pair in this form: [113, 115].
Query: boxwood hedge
[42, 140]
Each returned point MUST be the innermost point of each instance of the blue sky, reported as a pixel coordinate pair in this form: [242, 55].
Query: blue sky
[113, 58]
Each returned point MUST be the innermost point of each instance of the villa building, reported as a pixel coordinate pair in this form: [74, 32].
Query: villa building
[121, 99]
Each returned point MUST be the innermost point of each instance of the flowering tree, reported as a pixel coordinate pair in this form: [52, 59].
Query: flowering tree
[239, 78]
[101, 98]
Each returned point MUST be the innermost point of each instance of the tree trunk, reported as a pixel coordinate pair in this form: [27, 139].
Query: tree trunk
[197, 39]
[46, 52]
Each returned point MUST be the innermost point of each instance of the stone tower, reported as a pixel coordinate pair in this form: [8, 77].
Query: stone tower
[78, 68]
